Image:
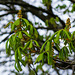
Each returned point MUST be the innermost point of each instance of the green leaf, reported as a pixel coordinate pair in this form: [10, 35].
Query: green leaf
[63, 6]
[52, 20]
[16, 67]
[70, 48]
[46, 23]
[43, 47]
[73, 35]
[53, 35]
[7, 46]
[40, 37]
[57, 46]
[57, 19]
[26, 33]
[19, 54]
[61, 54]
[12, 27]
[31, 30]
[26, 21]
[16, 56]
[39, 58]
[57, 37]
[65, 52]
[47, 48]
[66, 33]
[73, 8]
[20, 35]
[32, 72]
[35, 33]
[31, 44]
[23, 62]
[36, 43]
[8, 24]
[49, 59]
[27, 45]
[19, 66]
[17, 22]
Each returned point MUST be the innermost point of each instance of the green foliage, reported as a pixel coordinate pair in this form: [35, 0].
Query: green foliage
[73, 8]
[21, 41]
[61, 6]
[24, 43]
[47, 3]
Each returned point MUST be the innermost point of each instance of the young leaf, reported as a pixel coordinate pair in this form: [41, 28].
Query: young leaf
[43, 46]
[23, 62]
[26, 33]
[19, 54]
[36, 43]
[31, 30]
[67, 34]
[16, 56]
[26, 21]
[31, 44]
[12, 27]
[27, 44]
[7, 46]
[57, 37]
[57, 46]
[20, 35]
[8, 24]
[70, 48]
[16, 67]
[35, 33]
[47, 48]
[39, 58]
[19, 66]
[17, 22]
